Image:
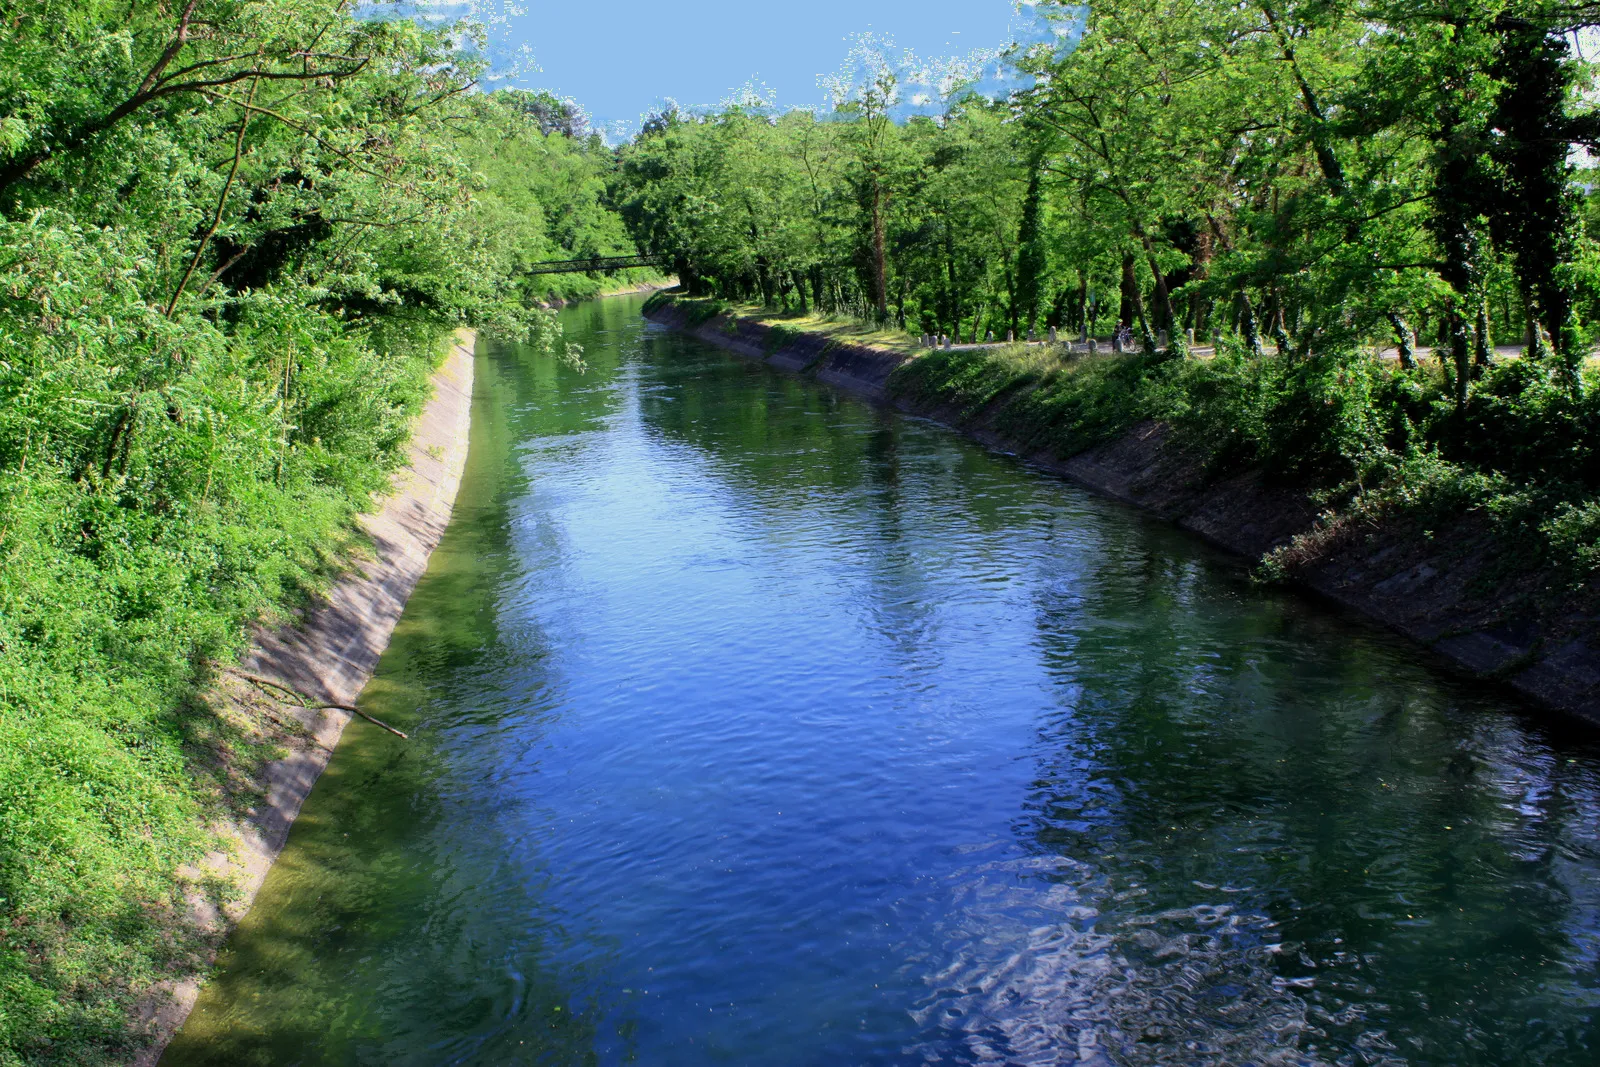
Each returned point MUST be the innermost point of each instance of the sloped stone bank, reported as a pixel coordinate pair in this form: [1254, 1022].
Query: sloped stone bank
[329, 656]
[1501, 630]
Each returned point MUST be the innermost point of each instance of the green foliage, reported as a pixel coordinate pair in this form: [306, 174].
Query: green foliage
[1524, 422]
[800, 213]
[549, 196]
[701, 312]
[778, 336]
[1092, 400]
[1573, 533]
[1040, 399]
[967, 380]
[1305, 183]
[1380, 441]
[659, 299]
[232, 239]
[1304, 421]
[1312, 178]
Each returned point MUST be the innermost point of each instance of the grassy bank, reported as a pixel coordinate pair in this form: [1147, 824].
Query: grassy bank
[1377, 449]
[835, 326]
[112, 619]
[1368, 439]
[232, 241]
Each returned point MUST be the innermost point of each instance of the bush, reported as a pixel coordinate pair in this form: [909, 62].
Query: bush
[112, 607]
[1318, 420]
[1522, 421]
[1382, 441]
[659, 299]
[703, 311]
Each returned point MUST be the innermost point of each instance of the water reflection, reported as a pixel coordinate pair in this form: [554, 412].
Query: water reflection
[758, 726]
[1266, 838]
[403, 925]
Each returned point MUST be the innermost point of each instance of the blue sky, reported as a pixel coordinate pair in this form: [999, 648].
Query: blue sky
[620, 57]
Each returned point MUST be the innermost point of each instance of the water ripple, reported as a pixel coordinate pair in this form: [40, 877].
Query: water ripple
[753, 725]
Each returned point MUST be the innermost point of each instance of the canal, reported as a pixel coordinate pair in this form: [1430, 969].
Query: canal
[754, 725]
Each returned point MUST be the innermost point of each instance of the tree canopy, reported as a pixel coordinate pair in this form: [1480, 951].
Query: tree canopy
[1307, 176]
[233, 234]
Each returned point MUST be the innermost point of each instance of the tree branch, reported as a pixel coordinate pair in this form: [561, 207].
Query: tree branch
[179, 39]
[308, 702]
[293, 125]
[222, 203]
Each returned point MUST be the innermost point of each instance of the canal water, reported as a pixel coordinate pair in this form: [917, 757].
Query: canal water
[753, 725]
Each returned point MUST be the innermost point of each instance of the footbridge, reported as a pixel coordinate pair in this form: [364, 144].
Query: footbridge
[598, 264]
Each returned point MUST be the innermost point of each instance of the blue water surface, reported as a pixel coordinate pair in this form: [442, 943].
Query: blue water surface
[754, 725]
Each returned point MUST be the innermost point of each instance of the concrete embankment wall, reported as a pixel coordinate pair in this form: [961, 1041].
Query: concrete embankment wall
[856, 368]
[557, 303]
[329, 656]
[1448, 596]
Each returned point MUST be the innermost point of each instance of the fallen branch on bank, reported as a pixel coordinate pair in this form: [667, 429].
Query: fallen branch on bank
[307, 702]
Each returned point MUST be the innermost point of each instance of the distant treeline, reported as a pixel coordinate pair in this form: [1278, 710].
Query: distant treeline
[1302, 183]
[1307, 176]
[232, 239]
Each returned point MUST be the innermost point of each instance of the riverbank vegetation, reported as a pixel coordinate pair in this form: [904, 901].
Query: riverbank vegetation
[1351, 242]
[233, 238]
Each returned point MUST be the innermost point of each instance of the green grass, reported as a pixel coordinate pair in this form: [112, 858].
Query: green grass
[1040, 396]
[112, 763]
[1373, 443]
[841, 328]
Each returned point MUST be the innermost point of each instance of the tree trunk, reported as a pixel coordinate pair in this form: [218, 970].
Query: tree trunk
[1402, 334]
[1165, 317]
[1058, 309]
[880, 271]
[1011, 300]
[1275, 326]
[1483, 343]
[1202, 269]
[1147, 338]
[1537, 222]
[1249, 329]
[1332, 172]
[764, 282]
[954, 303]
[1460, 355]
[1030, 246]
[1130, 292]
